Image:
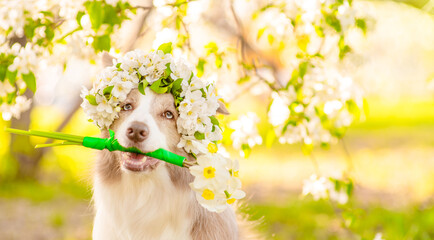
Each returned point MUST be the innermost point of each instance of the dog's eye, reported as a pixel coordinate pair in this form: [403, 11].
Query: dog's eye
[127, 107]
[168, 114]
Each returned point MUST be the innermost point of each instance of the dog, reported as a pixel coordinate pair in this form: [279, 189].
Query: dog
[139, 197]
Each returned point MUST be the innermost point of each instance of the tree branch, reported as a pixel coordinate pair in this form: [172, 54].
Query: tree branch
[247, 47]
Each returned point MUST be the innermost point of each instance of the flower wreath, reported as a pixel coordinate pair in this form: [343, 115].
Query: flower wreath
[216, 180]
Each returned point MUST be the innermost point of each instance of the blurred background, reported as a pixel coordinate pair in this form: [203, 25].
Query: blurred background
[46, 194]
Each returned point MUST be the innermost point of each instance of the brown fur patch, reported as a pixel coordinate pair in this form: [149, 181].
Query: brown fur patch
[108, 164]
[212, 226]
[181, 177]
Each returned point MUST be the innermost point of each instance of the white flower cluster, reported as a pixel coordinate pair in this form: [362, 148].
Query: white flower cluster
[21, 104]
[14, 15]
[25, 61]
[216, 178]
[312, 11]
[245, 131]
[216, 181]
[324, 91]
[322, 188]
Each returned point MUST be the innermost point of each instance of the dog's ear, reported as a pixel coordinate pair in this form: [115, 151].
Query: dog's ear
[107, 59]
[222, 108]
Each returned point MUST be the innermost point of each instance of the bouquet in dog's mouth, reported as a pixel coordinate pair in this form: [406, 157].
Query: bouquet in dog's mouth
[110, 144]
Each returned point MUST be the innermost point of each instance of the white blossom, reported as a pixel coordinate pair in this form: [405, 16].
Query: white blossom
[315, 186]
[323, 88]
[6, 88]
[25, 61]
[245, 131]
[324, 188]
[209, 172]
[191, 144]
[22, 104]
[378, 236]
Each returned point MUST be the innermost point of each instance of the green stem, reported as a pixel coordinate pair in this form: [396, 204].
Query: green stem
[66, 143]
[69, 33]
[110, 144]
[59, 136]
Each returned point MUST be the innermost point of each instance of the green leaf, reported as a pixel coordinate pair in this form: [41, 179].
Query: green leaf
[176, 86]
[212, 48]
[178, 23]
[343, 48]
[47, 13]
[11, 76]
[80, 14]
[157, 88]
[3, 71]
[333, 22]
[244, 79]
[200, 67]
[260, 33]
[11, 97]
[166, 47]
[101, 43]
[214, 121]
[288, 122]
[91, 99]
[178, 3]
[107, 90]
[302, 69]
[293, 80]
[218, 61]
[246, 150]
[166, 82]
[49, 33]
[199, 135]
[361, 23]
[270, 38]
[167, 71]
[319, 31]
[30, 80]
[325, 145]
[142, 85]
[302, 42]
[29, 29]
[96, 14]
[350, 187]
[110, 15]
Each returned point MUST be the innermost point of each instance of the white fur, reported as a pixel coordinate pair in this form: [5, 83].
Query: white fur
[142, 113]
[142, 205]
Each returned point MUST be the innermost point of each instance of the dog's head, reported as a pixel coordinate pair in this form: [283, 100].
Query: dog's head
[147, 122]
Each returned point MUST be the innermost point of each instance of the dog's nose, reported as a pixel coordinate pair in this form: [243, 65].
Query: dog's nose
[138, 132]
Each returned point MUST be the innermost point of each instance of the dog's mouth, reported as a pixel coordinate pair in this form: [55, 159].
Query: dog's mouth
[138, 162]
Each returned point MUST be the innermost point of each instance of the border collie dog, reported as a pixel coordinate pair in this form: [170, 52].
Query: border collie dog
[140, 198]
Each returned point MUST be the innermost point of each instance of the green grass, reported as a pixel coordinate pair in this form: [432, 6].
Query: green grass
[291, 218]
[403, 113]
[40, 192]
[307, 219]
